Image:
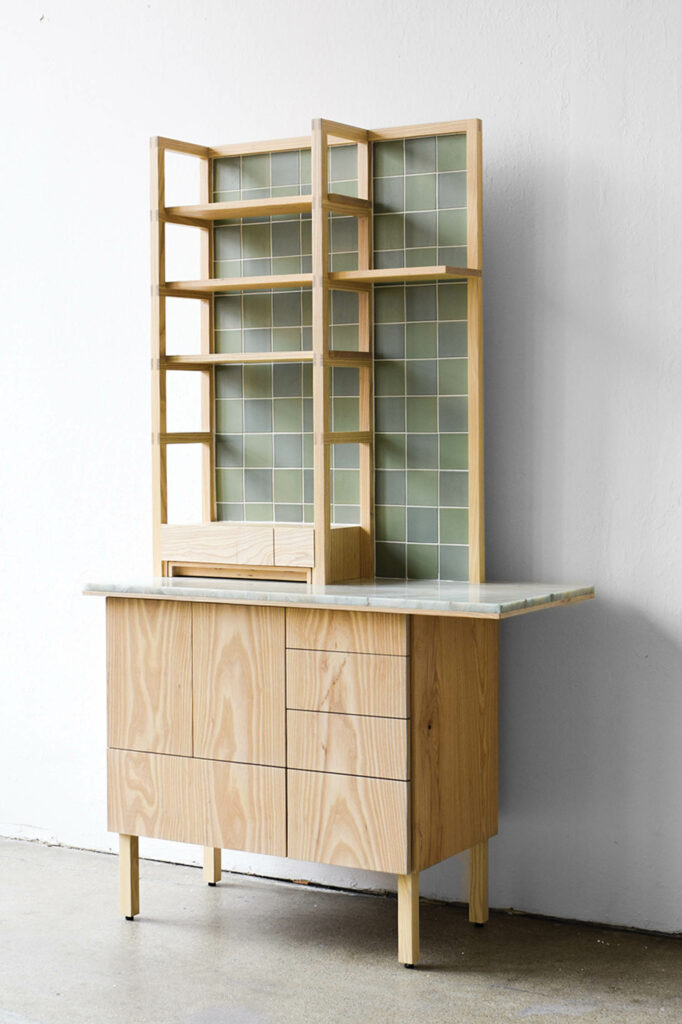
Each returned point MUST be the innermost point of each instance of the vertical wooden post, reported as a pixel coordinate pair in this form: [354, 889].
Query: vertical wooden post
[408, 919]
[478, 883]
[158, 325]
[366, 373]
[207, 346]
[129, 875]
[320, 297]
[212, 865]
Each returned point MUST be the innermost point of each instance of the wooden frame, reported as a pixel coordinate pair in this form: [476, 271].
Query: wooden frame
[339, 552]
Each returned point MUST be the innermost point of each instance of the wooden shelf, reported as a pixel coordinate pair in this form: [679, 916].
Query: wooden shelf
[203, 361]
[200, 289]
[441, 273]
[203, 214]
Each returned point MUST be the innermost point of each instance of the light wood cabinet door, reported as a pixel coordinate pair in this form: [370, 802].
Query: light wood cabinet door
[348, 744]
[149, 675]
[239, 665]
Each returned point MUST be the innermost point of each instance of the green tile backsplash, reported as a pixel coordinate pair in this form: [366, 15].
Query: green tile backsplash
[264, 451]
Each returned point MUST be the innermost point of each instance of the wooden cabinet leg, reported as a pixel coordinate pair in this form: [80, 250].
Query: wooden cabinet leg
[129, 875]
[212, 865]
[478, 883]
[408, 919]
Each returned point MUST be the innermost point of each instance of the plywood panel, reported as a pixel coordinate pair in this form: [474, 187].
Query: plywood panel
[346, 820]
[356, 684]
[239, 683]
[361, 632]
[209, 803]
[349, 744]
[218, 542]
[149, 675]
[294, 545]
[454, 735]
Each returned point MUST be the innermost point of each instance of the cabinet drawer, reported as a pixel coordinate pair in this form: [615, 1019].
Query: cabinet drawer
[349, 744]
[189, 800]
[320, 629]
[350, 821]
[353, 684]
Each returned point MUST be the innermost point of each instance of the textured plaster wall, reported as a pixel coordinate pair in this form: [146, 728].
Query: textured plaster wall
[581, 109]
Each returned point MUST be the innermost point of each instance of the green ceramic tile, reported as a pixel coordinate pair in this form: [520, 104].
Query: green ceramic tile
[289, 513]
[286, 265]
[346, 484]
[344, 234]
[452, 227]
[452, 152]
[422, 451]
[308, 514]
[453, 414]
[454, 526]
[286, 380]
[422, 487]
[286, 309]
[389, 487]
[346, 413]
[420, 377]
[344, 188]
[227, 243]
[420, 341]
[256, 171]
[307, 375]
[452, 255]
[454, 490]
[260, 513]
[307, 414]
[344, 307]
[286, 238]
[230, 513]
[306, 237]
[229, 451]
[389, 231]
[257, 310]
[257, 415]
[226, 176]
[422, 561]
[420, 192]
[420, 302]
[422, 525]
[255, 241]
[389, 414]
[258, 380]
[346, 515]
[228, 382]
[256, 268]
[288, 485]
[453, 376]
[307, 338]
[389, 523]
[227, 268]
[258, 484]
[390, 561]
[227, 197]
[308, 485]
[452, 339]
[389, 305]
[228, 341]
[257, 339]
[422, 415]
[288, 414]
[420, 229]
[229, 416]
[389, 341]
[304, 157]
[307, 451]
[345, 381]
[389, 260]
[229, 485]
[306, 307]
[388, 195]
[454, 451]
[454, 563]
[343, 261]
[452, 190]
[389, 377]
[388, 158]
[257, 451]
[286, 339]
[284, 190]
[255, 193]
[344, 336]
[346, 456]
[228, 312]
[452, 300]
[389, 451]
[420, 156]
[288, 451]
[421, 257]
[284, 168]
[343, 163]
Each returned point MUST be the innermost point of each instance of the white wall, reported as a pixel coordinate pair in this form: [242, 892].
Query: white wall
[580, 103]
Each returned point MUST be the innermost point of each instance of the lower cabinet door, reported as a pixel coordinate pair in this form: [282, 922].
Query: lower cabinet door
[348, 820]
[191, 800]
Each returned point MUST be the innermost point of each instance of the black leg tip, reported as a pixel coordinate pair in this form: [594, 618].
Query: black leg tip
[409, 966]
[213, 884]
[129, 918]
[479, 924]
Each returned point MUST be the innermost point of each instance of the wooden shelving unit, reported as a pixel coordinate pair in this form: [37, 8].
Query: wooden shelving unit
[322, 552]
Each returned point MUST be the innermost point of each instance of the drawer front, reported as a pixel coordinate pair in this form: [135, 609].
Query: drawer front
[352, 684]
[149, 675]
[349, 821]
[348, 744]
[319, 629]
[209, 803]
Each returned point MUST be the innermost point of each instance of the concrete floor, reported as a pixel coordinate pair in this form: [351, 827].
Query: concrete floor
[257, 952]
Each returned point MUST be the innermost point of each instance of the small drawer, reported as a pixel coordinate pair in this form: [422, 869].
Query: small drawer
[348, 744]
[347, 820]
[321, 629]
[352, 684]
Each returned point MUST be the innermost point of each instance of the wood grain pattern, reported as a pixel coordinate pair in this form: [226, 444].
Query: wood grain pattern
[218, 542]
[331, 630]
[478, 883]
[409, 274]
[346, 820]
[352, 684]
[294, 545]
[408, 918]
[348, 744]
[189, 800]
[244, 572]
[239, 683]
[149, 675]
[344, 553]
[454, 736]
[212, 865]
[129, 875]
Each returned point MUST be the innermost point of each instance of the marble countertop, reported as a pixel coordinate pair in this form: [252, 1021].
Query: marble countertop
[489, 600]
